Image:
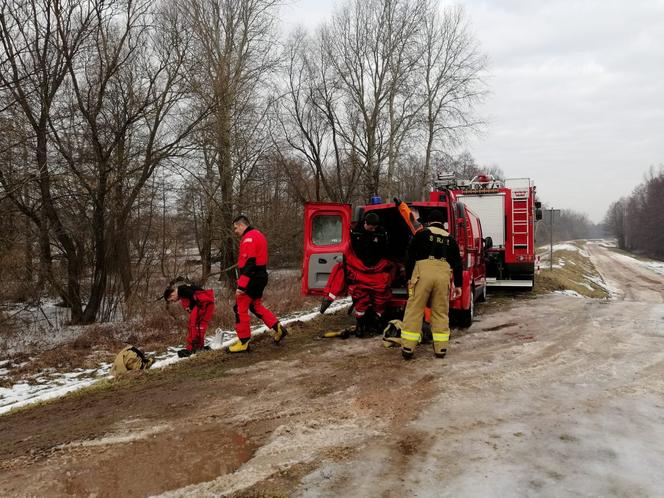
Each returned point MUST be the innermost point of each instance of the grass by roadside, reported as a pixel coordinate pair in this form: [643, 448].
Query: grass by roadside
[153, 328]
[572, 271]
[201, 367]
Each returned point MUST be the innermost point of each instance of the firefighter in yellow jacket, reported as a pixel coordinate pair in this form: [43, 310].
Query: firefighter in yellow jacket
[432, 255]
[130, 358]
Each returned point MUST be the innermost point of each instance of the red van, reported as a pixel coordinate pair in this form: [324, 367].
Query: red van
[327, 229]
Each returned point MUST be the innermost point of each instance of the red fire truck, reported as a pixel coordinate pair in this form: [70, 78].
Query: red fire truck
[327, 229]
[508, 210]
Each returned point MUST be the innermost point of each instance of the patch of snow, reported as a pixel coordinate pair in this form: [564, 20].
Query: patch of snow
[608, 286]
[23, 394]
[121, 438]
[55, 385]
[608, 243]
[224, 338]
[650, 264]
[656, 266]
[566, 247]
[568, 292]
[545, 251]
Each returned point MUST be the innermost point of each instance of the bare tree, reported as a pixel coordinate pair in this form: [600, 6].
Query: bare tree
[102, 91]
[635, 220]
[614, 220]
[404, 104]
[307, 115]
[463, 166]
[33, 37]
[452, 68]
[231, 58]
[365, 43]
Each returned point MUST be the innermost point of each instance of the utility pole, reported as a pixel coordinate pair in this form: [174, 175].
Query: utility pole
[552, 212]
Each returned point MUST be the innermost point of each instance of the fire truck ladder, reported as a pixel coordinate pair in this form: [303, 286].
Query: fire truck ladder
[520, 223]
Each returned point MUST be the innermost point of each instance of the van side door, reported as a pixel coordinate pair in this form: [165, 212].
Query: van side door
[326, 237]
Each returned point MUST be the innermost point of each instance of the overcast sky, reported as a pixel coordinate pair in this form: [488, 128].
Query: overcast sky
[577, 92]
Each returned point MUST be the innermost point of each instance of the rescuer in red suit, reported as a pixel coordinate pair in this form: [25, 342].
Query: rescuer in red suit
[199, 303]
[252, 268]
[365, 274]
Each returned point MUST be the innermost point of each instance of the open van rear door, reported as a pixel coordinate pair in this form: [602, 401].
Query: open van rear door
[326, 236]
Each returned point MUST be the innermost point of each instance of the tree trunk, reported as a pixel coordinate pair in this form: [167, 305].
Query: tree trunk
[206, 243]
[122, 256]
[427, 161]
[226, 178]
[100, 273]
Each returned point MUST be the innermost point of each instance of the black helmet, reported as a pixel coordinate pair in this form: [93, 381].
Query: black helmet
[372, 219]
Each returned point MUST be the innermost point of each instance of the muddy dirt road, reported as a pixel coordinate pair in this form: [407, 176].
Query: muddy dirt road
[549, 396]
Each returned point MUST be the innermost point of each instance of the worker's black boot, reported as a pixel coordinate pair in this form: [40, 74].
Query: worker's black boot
[373, 326]
[361, 326]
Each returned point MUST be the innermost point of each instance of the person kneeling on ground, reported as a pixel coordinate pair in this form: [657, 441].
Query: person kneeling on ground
[130, 358]
[366, 275]
[199, 303]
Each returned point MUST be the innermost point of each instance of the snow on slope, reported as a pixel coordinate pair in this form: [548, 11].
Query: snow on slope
[48, 385]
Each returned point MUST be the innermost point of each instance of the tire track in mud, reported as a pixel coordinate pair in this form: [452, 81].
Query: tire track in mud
[521, 417]
[525, 399]
[636, 282]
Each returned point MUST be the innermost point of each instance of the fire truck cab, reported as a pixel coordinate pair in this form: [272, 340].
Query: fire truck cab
[327, 229]
[508, 210]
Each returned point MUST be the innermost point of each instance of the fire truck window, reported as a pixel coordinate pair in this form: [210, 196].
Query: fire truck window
[326, 230]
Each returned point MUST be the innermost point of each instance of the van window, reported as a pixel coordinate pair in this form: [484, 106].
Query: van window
[326, 230]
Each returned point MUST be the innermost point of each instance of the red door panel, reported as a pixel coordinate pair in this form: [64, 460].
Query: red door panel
[326, 236]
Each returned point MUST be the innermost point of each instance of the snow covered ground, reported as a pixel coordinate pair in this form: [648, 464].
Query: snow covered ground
[544, 252]
[649, 264]
[47, 385]
[568, 292]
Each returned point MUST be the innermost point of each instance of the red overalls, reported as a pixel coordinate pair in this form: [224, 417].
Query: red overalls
[252, 266]
[201, 309]
[369, 286]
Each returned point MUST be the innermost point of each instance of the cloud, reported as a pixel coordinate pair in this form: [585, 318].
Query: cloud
[577, 92]
[577, 98]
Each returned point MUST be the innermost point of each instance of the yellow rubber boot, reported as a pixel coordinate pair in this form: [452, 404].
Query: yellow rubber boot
[238, 347]
[330, 334]
[279, 333]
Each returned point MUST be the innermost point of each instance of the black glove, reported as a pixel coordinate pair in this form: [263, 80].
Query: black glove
[325, 304]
